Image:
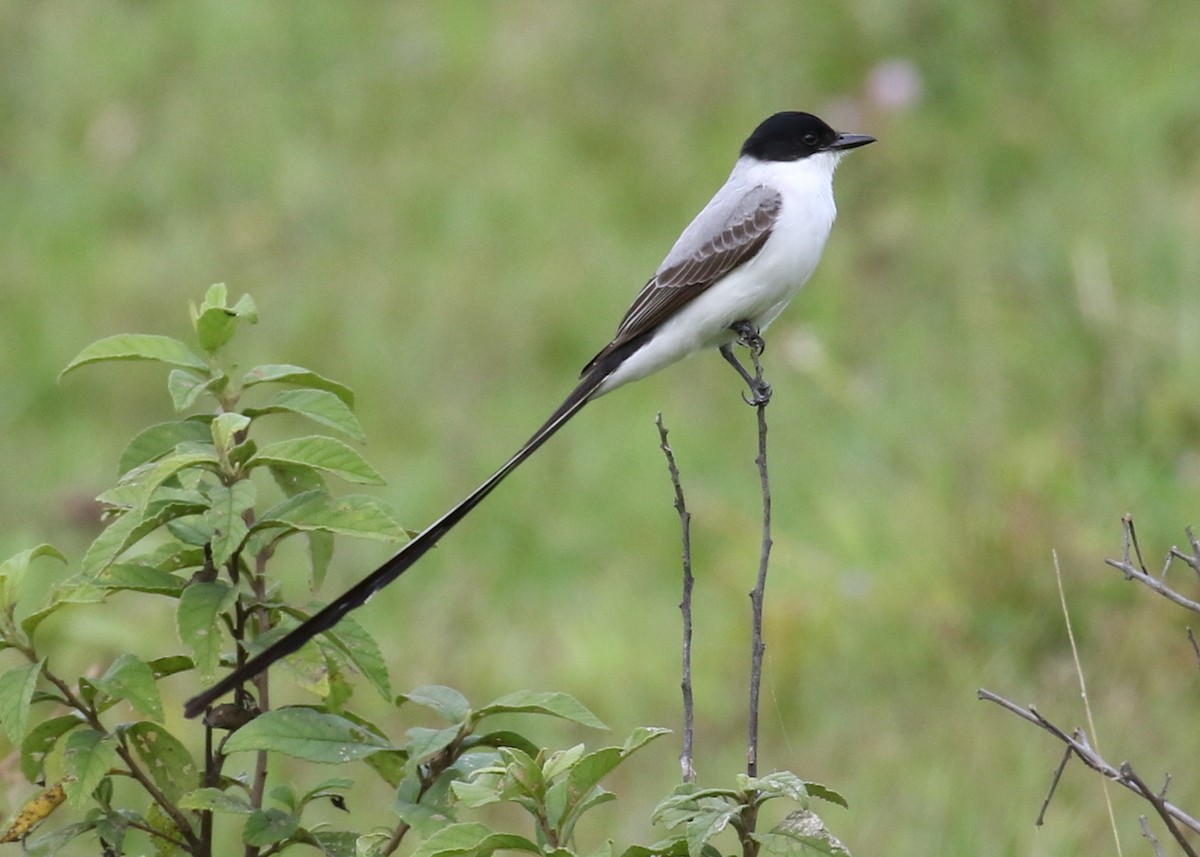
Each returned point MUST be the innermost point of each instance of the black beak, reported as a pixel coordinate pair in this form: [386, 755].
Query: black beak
[849, 141]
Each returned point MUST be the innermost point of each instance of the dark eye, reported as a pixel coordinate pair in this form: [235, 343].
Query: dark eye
[810, 139]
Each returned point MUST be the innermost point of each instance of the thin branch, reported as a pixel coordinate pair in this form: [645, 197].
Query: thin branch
[1159, 803]
[686, 758]
[1083, 751]
[1131, 540]
[1041, 817]
[756, 596]
[1150, 837]
[1131, 572]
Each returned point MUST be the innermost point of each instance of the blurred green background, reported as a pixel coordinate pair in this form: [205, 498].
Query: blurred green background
[449, 205]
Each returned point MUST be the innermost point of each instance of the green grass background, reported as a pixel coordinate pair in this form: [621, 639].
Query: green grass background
[449, 205]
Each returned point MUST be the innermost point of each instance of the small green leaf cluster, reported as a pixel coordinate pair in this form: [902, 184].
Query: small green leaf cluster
[699, 814]
[189, 523]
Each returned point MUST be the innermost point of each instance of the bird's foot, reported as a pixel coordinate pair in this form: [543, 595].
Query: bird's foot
[760, 393]
[760, 390]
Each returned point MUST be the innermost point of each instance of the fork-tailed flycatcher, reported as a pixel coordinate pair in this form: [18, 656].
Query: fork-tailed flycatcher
[731, 272]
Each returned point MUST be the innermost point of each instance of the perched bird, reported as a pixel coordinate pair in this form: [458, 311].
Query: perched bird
[729, 275]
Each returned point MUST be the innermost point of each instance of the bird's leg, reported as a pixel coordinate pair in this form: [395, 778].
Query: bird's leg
[760, 390]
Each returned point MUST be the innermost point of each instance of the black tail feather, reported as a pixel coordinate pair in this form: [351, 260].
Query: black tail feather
[359, 594]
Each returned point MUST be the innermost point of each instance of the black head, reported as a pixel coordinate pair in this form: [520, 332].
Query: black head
[791, 136]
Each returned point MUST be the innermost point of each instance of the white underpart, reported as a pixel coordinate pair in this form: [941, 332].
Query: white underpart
[758, 290]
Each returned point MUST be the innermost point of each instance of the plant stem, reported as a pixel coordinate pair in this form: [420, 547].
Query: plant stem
[686, 758]
[757, 647]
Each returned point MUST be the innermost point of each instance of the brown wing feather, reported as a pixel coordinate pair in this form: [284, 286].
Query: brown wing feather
[674, 287]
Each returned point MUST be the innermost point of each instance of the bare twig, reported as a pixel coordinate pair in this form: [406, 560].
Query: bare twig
[1158, 801]
[686, 758]
[1195, 645]
[756, 596]
[1083, 751]
[1087, 706]
[1132, 572]
[1150, 837]
[1131, 540]
[1041, 817]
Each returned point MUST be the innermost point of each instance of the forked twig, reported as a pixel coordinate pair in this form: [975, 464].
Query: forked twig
[1078, 745]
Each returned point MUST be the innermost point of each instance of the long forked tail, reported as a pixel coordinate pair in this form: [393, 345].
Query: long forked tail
[358, 594]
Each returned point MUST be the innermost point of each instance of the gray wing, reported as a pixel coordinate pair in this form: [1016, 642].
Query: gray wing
[727, 233]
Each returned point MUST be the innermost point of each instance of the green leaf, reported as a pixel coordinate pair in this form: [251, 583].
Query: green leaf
[473, 839]
[158, 440]
[706, 823]
[320, 406]
[425, 743]
[225, 428]
[146, 517]
[198, 620]
[445, 701]
[185, 387]
[321, 453]
[479, 791]
[339, 843]
[128, 530]
[320, 554]
[524, 775]
[673, 847]
[216, 800]
[168, 762]
[13, 569]
[225, 520]
[216, 323]
[170, 665]
[306, 734]
[215, 326]
[74, 590]
[138, 346]
[134, 577]
[503, 738]
[356, 515]
[130, 678]
[364, 652]
[51, 843]
[297, 480]
[827, 794]
[801, 833]
[426, 820]
[40, 740]
[90, 756]
[550, 703]
[282, 373]
[111, 826]
[563, 760]
[265, 827]
[286, 795]
[246, 309]
[16, 692]
[215, 297]
[389, 765]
